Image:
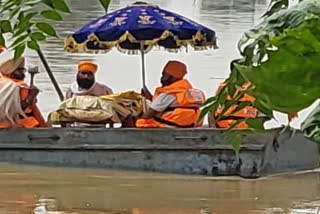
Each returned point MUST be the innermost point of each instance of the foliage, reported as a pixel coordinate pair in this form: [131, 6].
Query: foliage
[280, 57]
[25, 22]
[25, 26]
[105, 4]
[311, 125]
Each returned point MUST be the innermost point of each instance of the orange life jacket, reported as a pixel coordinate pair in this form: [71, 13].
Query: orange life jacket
[35, 119]
[185, 114]
[229, 119]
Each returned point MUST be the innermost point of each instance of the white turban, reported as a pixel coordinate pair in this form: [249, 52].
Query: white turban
[9, 66]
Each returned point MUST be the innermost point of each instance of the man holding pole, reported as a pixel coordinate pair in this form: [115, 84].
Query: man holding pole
[18, 101]
[176, 103]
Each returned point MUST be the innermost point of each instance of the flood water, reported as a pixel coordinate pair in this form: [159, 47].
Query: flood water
[87, 191]
[64, 190]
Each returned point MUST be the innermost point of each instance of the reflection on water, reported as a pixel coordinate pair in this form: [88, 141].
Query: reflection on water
[72, 190]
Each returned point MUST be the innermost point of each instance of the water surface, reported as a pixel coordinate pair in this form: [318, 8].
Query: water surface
[89, 191]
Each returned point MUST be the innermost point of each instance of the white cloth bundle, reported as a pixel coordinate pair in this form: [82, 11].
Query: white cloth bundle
[10, 103]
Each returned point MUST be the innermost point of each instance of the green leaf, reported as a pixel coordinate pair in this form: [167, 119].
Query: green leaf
[209, 100]
[222, 95]
[51, 14]
[48, 3]
[38, 36]
[263, 108]
[19, 40]
[18, 51]
[206, 110]
[14, 12]
[7, 6]
[34, 2]
[275, 6]
[47, 28]
[234, 140]
[29, 16]
[33, 45]
[5, 26]
[105, 4]
[235, 124]
[26, 8]
[241, 106]
[226, 106]
[255, 123]
[21, 28]
[21, 16]
[2, 40]
[61, 5]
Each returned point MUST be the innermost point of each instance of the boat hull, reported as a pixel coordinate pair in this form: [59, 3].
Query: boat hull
[181, 151]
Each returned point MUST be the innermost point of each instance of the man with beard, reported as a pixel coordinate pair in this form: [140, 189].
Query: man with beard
[18, 101]
[86, 84]
[176, 103]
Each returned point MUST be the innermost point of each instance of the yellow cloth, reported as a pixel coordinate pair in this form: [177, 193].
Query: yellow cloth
[112, 107]
[129, 99]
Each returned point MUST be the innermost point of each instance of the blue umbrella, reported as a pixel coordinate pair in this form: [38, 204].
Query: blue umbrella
[138, 28]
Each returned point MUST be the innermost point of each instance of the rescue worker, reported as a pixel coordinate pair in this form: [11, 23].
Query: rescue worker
[86, 84]
[18, 101]
[176, 103]
[229, 119]
[248, 111]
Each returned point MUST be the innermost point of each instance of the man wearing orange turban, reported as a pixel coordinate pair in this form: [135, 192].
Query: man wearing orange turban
[18, 105]
[176, 103]
[86, 84]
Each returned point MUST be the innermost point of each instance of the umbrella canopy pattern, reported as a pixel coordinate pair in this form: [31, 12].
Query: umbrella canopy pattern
[140, 24]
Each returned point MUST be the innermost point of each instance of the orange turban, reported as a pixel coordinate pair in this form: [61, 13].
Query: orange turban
[9, 66]
[87, 66]
[175, 69]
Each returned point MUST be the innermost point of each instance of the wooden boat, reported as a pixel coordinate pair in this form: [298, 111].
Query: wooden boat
[184, 151]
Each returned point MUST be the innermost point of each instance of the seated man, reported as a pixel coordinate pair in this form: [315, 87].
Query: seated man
[229, 118]
[86, 84]
[18, 101]
[176, 103]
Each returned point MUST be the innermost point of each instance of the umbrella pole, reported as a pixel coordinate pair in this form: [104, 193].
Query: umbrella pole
[143, 66]
[144, 101]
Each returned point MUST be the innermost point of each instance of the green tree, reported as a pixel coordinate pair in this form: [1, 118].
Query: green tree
[280, 57]
[25, 23]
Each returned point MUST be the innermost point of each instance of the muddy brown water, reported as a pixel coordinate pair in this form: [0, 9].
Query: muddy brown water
[25, 188]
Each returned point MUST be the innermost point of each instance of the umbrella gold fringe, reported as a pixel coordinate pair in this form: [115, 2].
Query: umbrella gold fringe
[72, 46]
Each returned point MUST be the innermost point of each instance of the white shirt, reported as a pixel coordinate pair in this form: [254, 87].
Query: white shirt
[163, 101]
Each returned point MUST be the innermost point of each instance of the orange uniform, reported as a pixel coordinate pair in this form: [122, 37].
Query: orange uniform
[185, 114]
[229, 119]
